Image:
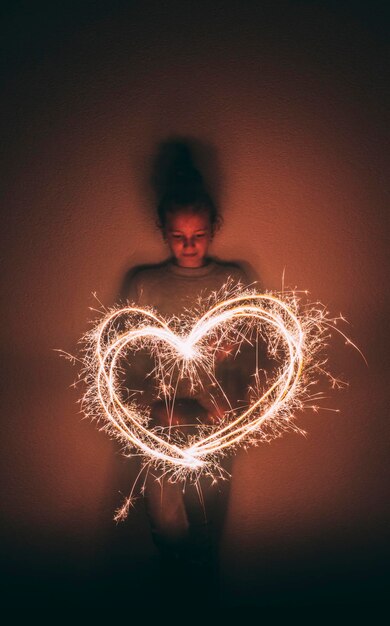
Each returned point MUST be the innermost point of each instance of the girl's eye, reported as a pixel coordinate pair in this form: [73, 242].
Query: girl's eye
[199, 236]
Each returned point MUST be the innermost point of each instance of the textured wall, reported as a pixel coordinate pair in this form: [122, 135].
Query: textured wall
[286, 102]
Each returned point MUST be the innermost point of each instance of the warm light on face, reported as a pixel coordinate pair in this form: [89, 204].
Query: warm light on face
[188, 234]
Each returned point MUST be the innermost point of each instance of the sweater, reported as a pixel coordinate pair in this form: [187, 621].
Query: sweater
[171, 289]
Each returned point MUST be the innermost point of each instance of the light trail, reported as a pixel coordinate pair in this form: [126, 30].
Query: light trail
[295, 336]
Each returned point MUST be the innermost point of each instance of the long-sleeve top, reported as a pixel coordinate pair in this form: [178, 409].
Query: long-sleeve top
[170, 290]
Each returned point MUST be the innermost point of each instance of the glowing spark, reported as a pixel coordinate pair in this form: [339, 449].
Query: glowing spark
[294, 335]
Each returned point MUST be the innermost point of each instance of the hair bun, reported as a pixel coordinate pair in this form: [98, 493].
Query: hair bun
[179, 183]
[183, 173]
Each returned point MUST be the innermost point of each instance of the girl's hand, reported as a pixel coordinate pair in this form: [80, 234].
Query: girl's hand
[221, 350]
[185, 412]
[215, 415]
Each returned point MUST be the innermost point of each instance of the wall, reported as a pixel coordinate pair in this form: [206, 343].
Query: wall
[286, 101]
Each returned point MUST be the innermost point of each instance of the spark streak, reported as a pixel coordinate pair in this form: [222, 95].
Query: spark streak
[295, 336]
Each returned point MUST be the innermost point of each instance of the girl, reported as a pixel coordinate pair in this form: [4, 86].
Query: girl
[184, 527]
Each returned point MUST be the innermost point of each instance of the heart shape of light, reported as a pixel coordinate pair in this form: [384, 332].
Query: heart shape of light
[285, 332]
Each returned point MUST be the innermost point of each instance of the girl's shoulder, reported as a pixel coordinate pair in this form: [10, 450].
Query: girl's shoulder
[149, 271]
[239, 272]
[140, 276]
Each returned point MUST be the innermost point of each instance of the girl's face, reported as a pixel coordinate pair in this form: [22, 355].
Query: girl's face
[188, 234]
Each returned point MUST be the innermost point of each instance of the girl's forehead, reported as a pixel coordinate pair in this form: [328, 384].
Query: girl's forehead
[188, 219]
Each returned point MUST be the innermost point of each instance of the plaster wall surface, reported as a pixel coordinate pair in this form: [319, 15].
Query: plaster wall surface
[286, 103]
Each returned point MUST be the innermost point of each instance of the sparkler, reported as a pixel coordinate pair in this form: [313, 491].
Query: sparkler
[295, 336]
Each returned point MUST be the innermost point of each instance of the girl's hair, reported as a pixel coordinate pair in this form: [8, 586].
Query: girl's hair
[185, 188]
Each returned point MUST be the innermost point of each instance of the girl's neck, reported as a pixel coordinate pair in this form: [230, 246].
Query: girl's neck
[206, 261]
[201, 270]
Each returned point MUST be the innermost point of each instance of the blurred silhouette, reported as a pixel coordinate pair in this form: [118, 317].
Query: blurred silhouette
[186, 522]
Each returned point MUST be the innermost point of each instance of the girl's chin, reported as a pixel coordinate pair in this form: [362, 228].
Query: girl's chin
[190, 261]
